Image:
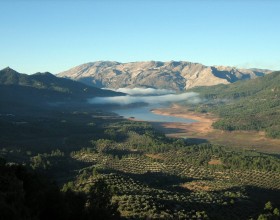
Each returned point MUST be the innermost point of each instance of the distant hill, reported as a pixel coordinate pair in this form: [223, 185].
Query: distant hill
[49, 81]
[174, 75]
[24, 92]
[268, 85]
[245, 105]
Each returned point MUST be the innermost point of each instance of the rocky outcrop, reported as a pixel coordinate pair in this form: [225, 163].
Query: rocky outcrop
[174, 75]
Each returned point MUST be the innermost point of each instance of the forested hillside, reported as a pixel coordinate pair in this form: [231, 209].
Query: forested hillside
[245, 105]
[107, 167]
[149, 175]
[50, 82]
[27, 195]
[21, 92]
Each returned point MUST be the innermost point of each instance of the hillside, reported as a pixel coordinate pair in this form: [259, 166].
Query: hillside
[107, 165]
[150, 176]
[245, 105]
[49, 81]
[174, 75]
[20, 92]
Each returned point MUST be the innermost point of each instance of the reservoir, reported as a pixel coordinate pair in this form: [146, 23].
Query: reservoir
[144, 113]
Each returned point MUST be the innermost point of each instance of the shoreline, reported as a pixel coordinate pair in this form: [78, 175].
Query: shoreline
[202, 124]
[202, 131]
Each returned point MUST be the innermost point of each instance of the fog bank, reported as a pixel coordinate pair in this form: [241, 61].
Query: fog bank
[145, 91]
[190, 97]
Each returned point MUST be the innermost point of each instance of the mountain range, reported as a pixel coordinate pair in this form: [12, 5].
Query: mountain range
[173, 75]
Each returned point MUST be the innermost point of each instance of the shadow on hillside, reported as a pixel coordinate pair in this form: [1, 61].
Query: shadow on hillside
[160, 126]
[156, 179]
[197, 141]
[232, 203]
[122, 153]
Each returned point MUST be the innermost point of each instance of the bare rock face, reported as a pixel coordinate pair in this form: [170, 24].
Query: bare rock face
[173, 75]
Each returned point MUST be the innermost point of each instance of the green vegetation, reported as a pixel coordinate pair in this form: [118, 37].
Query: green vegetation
[149, 175]
[269, 212]
[245, 105]
[181, 182]
[25, 195]
[48, 81]
[106, 167]
[43, 91]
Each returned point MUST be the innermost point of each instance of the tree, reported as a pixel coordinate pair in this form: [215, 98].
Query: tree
[26, 195]
[99, 205]
[268, 206]
[74, 205]
[262, 217]
[102, 145]
[269, 214]
[276, 212]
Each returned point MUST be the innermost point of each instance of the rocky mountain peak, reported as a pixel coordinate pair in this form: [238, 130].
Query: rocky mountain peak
[176, 75]
[8, 70]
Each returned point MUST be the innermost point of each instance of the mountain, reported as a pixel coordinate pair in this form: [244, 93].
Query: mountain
[164, 75]
[49, 81]
[42, 90]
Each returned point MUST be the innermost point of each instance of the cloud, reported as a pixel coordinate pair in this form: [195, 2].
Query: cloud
[190, 97]
[145, 91]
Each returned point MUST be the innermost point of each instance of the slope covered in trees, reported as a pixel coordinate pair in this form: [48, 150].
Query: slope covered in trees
[106, 166]
[24, 93]
[150, 176]
[50, 82]
[245, 105]
[26, 195]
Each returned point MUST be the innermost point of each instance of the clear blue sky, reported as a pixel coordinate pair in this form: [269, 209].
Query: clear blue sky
[55, 35]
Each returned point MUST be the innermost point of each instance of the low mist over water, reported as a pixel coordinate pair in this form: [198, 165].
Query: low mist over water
[153, 98]
[145, 91]
[147, 95]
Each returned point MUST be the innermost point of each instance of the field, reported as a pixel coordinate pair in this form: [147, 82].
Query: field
[150, 175]
[190, 183]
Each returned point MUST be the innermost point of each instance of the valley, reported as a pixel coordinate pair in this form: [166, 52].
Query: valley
[74, 138]
[151, 176]
[139, 110]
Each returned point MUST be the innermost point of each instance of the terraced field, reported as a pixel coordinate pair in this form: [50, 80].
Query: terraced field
[188, 183]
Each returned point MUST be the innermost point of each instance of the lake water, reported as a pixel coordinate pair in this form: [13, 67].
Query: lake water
[144, 113]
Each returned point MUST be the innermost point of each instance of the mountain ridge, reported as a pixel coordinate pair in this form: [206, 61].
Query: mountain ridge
[22, 93]
[176, 75]
[49, 81]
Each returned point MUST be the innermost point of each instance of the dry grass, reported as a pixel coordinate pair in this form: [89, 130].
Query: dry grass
[154, 156]
[196, 186]
[215, 162]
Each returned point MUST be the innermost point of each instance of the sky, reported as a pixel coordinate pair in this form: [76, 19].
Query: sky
[55, 35]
